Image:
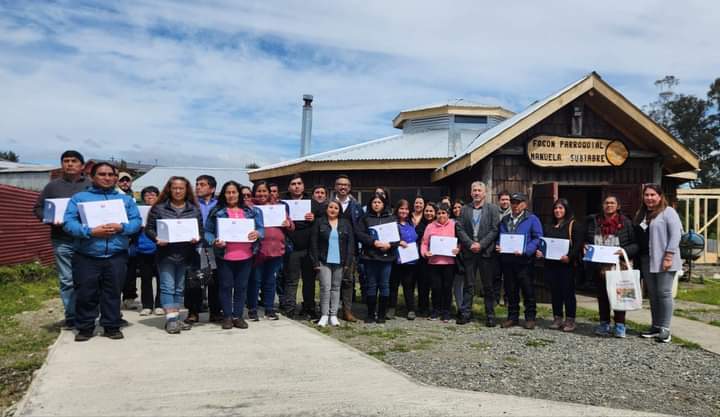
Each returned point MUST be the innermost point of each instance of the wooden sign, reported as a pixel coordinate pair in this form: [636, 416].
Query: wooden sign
[558, 151]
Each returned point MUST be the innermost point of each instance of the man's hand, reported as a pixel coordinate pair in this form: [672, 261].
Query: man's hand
[103, 231]
[162, 242]
[117, 227]
[219, 243]
[475, 247]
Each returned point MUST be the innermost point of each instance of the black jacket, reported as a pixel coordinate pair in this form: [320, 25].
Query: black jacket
[576, 238]
[320, 236]
[626, 234]
[366, 237]
[176, 252]
[487, 231]
[59, 188]
[300, 237]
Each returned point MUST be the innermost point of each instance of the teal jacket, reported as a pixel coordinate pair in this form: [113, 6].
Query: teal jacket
[221, 212]
[94, 246]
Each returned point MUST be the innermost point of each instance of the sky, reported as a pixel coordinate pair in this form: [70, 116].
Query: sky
[220, 83]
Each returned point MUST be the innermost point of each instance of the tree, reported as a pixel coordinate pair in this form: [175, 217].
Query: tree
[9, 156]
[252, 165]
[694, 121]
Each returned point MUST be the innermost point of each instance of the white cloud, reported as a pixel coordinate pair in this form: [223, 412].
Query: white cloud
[205, 83]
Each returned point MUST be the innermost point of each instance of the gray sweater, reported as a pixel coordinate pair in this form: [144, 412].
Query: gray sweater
[59, 188]
[664, 236]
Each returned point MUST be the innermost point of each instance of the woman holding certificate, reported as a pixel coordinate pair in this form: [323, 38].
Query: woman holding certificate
[663, 228]
[422, 277]
[377, 255]
[403, 271]
[269, 258]
[440, 237]
[562, 248]
[234, 229]
[175, 248]
[610, 228]
[331, 251]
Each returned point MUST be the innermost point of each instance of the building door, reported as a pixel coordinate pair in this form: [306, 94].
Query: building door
[543, 197]
[583, 200]
[629, 196]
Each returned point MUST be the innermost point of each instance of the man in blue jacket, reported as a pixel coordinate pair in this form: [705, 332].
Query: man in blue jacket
[517, 267]
[100, 259]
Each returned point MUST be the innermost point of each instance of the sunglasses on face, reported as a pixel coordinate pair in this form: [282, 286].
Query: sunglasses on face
[124, 179]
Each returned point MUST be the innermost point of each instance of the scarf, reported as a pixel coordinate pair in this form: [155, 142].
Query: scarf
[609, 225]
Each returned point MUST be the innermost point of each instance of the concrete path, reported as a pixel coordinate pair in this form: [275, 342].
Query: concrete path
[707, 336]
[280, 368]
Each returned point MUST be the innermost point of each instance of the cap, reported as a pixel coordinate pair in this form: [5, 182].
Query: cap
[123, 175]
[518, 197]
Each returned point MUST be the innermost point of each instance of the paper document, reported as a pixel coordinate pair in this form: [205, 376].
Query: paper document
[512, 242]
[177, 230]
[443, 245]
[601, 254]
[96, 213]
[273, 215]
[299, 208]
[408, 254]
[234, 230]
[144, 211]
[556, 248]
[387, 232]
[54, 210]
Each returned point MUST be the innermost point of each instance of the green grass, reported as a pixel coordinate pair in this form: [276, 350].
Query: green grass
[715, 323]
[707, 293]
[23, 348]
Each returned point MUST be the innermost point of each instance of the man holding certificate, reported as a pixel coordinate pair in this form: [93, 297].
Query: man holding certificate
[477, 230]
[175, 208]
[520, 233]
[72, 181]
[100, 260]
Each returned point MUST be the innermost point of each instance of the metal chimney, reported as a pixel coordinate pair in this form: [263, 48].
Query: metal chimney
[306, 132]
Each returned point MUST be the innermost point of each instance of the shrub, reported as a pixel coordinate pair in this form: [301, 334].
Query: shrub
[30, 272]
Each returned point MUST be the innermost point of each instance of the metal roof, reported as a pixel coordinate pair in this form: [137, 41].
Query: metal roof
[458, 102]
[8, 166]
[158, 176]
[486, 136]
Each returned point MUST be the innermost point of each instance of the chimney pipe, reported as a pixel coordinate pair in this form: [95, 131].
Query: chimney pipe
[306, 132]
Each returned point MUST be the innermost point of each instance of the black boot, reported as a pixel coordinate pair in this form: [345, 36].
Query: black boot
[371, 309]
[382, 309]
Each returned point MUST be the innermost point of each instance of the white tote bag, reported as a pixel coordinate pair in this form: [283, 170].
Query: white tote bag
[623, 287]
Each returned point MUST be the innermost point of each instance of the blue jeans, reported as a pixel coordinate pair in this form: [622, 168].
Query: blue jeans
[63, 260]
[377, 278]
[234, 277]
[172, 283]
[264, 276]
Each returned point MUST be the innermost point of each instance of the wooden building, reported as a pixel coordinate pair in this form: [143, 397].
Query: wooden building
[582, 143]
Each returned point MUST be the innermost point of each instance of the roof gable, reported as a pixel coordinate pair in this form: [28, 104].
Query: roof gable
[609, 102]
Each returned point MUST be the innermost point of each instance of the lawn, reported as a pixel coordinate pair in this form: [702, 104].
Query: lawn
[706, 293]
[28, 326]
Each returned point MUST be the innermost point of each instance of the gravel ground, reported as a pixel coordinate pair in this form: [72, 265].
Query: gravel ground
[631, 373]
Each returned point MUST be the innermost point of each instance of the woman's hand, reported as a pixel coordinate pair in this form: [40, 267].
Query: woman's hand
[285, 223]
[497, 248]
[455, 251]
[383, 246]
[667, 261]
[565, 259]
[219, 243]
[253, 236]
[162, 242]
[428, 254]
[403, 244]
[539, 254]
[194, 240]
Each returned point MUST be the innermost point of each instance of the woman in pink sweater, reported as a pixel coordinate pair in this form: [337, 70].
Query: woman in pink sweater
[440, 267]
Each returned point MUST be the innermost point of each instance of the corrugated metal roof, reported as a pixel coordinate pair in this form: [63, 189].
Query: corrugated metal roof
[8, 166]
[24, 237]
[486, 136]
[458, 102]
[158, 176]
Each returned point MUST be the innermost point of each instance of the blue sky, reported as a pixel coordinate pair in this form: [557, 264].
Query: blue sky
[220, 82]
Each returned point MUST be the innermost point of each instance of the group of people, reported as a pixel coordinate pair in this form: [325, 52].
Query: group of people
[337, 244]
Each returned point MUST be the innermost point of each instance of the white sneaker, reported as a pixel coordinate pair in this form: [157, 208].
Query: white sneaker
[334, 321]
[145, 312]
[323, 321]
[159, 312]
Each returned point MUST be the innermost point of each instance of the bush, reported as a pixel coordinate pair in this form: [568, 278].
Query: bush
[31, 272]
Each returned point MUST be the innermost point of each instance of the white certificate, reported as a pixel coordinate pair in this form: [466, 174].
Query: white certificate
[234, 230]
[177, 230]
[512, 242]
[96, 213]
[54, 210]
[144, 211]
[556, 248]
[601, 254]
[273, 215]
[443, 245]
[408, 254]
[387, 232]
[299, 208]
